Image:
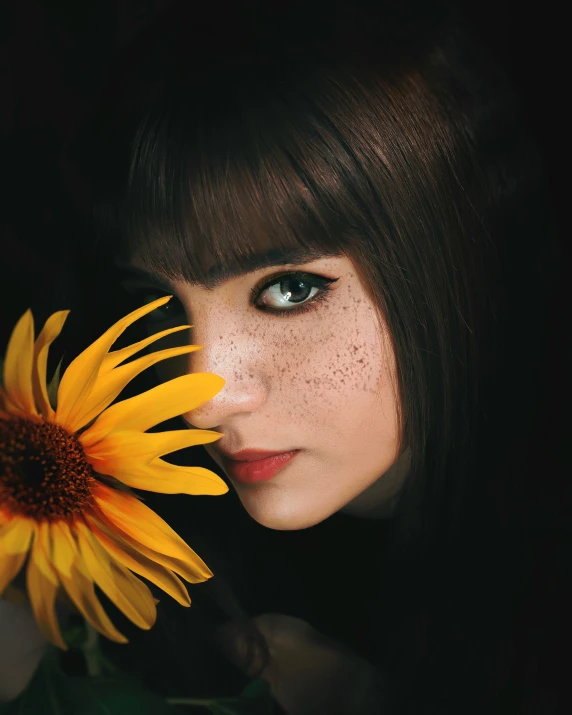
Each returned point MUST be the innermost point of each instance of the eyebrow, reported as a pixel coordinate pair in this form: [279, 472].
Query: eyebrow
[222, 273]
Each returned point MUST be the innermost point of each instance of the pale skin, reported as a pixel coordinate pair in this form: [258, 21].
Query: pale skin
[322, 381]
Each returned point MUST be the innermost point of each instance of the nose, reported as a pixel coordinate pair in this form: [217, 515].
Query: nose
[239, 363]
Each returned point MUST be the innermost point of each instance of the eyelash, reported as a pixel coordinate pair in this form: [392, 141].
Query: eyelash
[314, 281]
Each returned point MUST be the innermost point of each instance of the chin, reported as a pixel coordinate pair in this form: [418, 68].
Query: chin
[278, 513]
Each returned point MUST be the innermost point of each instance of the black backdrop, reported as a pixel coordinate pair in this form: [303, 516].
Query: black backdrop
[55, 56]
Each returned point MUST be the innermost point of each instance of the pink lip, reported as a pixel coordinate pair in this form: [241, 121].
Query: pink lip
[256, 465]
[248, 455]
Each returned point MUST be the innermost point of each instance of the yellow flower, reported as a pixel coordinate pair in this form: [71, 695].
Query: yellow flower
[77, 527]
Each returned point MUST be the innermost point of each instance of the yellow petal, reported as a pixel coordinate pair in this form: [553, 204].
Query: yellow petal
[63, 548]
[132, 559]
[170, 399]
[109, 385]
[127, 592]
[147, 528]
[80, 376]
[131, 457]
[15, 536]
[79, 587]
[43, 552]
[164, 478]
[18, 365]
[116, 357]
[52, 328]
[133, 446]
[183, 568]
[42, 593]
[10, 565]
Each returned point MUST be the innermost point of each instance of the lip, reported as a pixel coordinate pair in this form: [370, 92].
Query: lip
[250, 455]
[250, 466]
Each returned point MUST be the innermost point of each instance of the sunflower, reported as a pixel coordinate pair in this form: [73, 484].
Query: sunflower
[67, 466]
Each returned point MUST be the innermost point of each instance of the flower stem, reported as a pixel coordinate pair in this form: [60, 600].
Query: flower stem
[205, 703]
[91, 651]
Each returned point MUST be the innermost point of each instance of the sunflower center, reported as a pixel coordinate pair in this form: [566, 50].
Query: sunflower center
[43, 470]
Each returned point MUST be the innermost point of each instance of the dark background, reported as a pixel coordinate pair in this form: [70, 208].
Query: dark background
[54, 60]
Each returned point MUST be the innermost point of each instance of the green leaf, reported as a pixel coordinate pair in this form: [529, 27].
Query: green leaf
[114, 696]
[52, 692]
[74, 636]
[52, 387]
[218, 708]
[257, 689]
[255, 699]
[10, 708]
[43, 694]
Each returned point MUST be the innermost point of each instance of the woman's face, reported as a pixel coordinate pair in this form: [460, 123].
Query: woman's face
[320, 380]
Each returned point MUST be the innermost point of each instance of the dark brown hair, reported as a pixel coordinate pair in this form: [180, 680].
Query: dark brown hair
[395, 142]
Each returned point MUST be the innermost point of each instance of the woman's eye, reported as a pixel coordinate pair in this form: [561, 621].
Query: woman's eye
[292, 293]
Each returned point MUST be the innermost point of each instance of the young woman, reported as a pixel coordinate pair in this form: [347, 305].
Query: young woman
[342, 205]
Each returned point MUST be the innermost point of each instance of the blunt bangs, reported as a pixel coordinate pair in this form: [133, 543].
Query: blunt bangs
[211, 185]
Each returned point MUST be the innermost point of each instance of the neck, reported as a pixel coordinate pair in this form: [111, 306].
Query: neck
[380, 499]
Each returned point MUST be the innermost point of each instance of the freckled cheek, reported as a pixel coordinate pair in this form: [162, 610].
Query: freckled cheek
[308, 365]
[324, 371]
